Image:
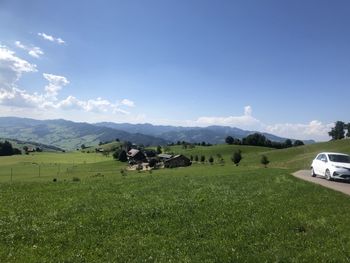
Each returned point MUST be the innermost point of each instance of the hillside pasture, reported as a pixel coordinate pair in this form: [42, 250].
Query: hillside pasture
[201, 213]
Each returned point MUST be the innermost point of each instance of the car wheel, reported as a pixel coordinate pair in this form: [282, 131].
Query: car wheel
[328, 175]
[313, 172]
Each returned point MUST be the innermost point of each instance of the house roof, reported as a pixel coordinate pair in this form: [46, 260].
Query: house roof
[177, 156]
[165, 156]
[133, 152]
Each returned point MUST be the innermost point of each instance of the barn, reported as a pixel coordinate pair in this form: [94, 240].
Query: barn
[177, 161]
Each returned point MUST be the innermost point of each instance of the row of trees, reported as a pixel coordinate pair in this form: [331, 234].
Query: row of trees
[188, 144]
[6, 149]
[340, 130]
[237, 157]
[258, 139]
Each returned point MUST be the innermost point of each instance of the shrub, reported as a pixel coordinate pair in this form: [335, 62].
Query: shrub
[202, 158]
[76, 179]
[123, 172]
[264, 160]
[236, 157]
[211, 159]
[196, 158]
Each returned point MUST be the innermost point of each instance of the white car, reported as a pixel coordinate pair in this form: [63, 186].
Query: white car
[331, 166]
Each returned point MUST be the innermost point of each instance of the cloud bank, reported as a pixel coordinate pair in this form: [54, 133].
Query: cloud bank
[12, 68]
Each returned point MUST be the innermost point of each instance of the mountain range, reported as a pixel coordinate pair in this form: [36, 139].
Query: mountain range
[70, 135]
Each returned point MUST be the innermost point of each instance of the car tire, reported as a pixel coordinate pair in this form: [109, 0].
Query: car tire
[313, 172]
[327, 175]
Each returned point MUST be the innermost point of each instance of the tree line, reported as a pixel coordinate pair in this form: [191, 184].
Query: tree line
[6, 149]
[340, 130]
[258, 139]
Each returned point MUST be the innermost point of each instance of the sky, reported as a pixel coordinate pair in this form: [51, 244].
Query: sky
[275, 66]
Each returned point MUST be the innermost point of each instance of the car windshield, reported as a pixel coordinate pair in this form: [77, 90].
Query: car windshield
[339, 158]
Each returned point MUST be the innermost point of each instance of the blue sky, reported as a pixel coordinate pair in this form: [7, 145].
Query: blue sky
[275, 66]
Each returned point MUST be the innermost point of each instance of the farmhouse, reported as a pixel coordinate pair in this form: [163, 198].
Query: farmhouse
[177, 161]
[136, 156]
[163, 157]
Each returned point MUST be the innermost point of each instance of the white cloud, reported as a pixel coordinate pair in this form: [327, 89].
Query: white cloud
[32, 51]
[98, 105]
[244, 121]
[313, 130]
[56, 83]
[128, 103]
[51, 38]
[12, 68]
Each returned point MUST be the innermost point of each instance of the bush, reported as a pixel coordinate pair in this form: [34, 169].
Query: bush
[196, 158]
[202, 158]
[264, 160]
[211, 159]
[123, 172]
[236, 157]
[76, 179]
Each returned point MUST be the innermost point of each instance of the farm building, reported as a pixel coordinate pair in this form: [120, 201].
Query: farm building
[163, 157]
[177, 161]
[136, 156]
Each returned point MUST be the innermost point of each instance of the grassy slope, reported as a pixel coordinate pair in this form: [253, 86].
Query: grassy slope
[204, 212]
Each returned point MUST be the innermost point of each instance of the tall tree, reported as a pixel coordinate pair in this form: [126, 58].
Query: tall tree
[298, 143]
[337, 131]
[288, 143]
[229, 140]
[348, 127]
[122, 156]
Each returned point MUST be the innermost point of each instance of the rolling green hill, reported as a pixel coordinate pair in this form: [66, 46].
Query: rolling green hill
[201, 213]
[67, 134]
[20, 144]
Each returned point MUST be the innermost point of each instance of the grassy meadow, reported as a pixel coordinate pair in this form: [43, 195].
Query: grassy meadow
[203, 213]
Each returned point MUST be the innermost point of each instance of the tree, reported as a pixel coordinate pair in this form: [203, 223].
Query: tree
[211, 160]
[236, 157]
[264, 160]
[166, 149]
[255, 139]
[298, 143]
[348, 127]
[6, 149]
[116, 154]
[229, 140]
[191, 158]
[196, 158]
[83, 146]
[202, 159]
[288, 143]
[337, 131]
[152, 163]
[159, 149]
[122, 156]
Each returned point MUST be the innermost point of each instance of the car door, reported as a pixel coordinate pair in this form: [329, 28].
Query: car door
[323, 164]
[319, 164]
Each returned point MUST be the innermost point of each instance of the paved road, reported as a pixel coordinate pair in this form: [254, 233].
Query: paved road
[343, 187]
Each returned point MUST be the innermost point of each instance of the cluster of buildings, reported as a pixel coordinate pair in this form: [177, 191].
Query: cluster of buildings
[150, 159]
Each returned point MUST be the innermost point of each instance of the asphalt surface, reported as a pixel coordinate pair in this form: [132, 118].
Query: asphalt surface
[339, 186]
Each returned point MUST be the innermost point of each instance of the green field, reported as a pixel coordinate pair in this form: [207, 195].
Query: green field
[203, 213]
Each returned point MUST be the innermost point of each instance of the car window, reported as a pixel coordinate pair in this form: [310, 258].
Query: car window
[338, 158]
[319, 157]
